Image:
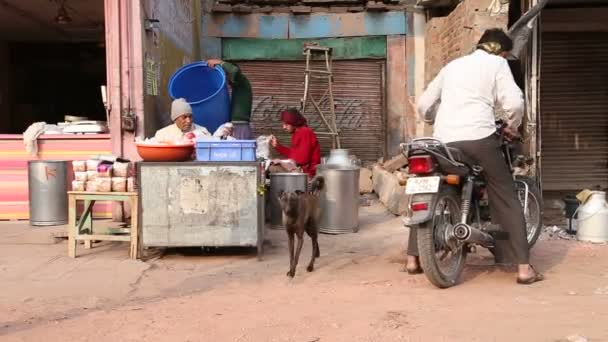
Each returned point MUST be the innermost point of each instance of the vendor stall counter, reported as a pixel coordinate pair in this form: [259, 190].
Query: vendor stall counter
[201, 204]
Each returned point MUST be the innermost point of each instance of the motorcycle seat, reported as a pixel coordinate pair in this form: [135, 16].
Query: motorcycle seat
[459, 156]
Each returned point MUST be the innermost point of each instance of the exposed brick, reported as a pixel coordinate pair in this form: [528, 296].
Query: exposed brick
[242, 9]
[300, 9]
[263, 9]
[397, 7]
[338, 9]
[355, 9]
[331, 1]
[319, 9]
[281, 9]
[376, 6]
[221, 8]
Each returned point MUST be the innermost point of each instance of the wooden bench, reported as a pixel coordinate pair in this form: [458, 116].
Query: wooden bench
[76, 229]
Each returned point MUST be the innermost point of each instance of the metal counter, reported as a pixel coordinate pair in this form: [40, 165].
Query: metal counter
[206, 204]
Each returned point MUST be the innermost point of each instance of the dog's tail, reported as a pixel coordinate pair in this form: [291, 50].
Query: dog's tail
[317, 184]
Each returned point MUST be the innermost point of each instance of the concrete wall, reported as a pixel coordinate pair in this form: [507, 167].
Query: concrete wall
[5, 71]
[176, 42]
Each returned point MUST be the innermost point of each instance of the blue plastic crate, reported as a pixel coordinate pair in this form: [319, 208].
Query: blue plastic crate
[225, 150]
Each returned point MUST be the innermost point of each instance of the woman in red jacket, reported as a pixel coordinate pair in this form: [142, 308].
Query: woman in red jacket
[304, 149]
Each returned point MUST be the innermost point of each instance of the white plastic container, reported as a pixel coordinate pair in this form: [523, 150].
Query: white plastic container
[592, 219]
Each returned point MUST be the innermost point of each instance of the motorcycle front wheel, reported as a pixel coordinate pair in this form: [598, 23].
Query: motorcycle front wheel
[442, 263]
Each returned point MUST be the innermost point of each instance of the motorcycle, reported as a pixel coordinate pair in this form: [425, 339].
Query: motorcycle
[448, 204]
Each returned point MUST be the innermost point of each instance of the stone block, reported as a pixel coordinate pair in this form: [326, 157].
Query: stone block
[365, 181]
[391, 194]
[395, 163]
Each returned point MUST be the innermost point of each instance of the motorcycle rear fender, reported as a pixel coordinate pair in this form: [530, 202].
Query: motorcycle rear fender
[417, 217]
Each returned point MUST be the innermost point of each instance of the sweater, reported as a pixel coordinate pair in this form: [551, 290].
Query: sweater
[304, 150]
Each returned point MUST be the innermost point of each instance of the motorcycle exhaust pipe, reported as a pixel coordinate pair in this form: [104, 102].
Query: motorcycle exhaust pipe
[466, 233]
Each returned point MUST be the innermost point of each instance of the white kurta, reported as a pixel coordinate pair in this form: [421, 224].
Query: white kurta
[173, 133]
[470, 88]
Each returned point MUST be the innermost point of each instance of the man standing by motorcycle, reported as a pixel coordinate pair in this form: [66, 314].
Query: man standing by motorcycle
[467, 91]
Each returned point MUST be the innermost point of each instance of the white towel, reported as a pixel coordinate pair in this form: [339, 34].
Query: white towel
[30, 137]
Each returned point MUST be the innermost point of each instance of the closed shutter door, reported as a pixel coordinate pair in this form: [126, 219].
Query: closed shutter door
[358, 98]
[574, 110]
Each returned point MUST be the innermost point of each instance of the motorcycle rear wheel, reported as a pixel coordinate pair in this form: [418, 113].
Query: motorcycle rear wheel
[441, 263]
[534, 212]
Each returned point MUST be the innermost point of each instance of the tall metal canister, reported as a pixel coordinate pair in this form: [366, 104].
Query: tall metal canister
[339, 199]
[48, 182]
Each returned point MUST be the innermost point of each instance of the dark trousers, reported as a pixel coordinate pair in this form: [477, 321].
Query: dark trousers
[505, 207]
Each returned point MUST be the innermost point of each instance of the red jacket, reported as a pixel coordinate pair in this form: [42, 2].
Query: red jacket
[304, 150]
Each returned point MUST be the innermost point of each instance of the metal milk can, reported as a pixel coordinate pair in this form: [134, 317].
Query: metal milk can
[592, 219]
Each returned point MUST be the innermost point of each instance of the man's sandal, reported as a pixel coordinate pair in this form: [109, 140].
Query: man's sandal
[531, 280]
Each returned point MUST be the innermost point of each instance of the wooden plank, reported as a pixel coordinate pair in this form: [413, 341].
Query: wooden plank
[103, 237]
[86, 221]
[72, 226]
[134, 251]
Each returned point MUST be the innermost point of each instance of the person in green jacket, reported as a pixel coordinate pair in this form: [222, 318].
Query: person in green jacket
[240, 111]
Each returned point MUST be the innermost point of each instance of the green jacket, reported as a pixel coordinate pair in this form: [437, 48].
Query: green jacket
[241, 93]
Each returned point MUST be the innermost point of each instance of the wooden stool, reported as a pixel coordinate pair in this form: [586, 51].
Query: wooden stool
[75, 229]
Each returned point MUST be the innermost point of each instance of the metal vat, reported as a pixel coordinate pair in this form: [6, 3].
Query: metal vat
[283, 182]
[48, 185]
[339, 199]
[592, 219]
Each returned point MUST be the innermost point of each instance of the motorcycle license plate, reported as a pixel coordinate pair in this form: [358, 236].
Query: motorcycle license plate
[422, 185]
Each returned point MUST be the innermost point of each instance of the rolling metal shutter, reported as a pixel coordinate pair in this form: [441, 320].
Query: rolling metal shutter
[574, 110]
[358, 96]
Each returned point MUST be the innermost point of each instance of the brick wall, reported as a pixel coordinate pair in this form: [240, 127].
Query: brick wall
[455, 35]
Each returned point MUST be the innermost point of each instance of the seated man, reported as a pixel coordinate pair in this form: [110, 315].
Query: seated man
[304, 150]
[182, 127]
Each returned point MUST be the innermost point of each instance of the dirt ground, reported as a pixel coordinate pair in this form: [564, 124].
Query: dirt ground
[356, 293]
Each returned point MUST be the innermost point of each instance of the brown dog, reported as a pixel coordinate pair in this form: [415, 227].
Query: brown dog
[301, 214]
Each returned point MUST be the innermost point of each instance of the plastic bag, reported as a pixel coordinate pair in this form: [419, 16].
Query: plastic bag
[90, 186]
[78, 185]
[92, 164]
[263, 147]
[119, 184]
[80, 176]
[79, 165]
[120, 169]
[103, 184]
[104, 171]
[91, 175]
